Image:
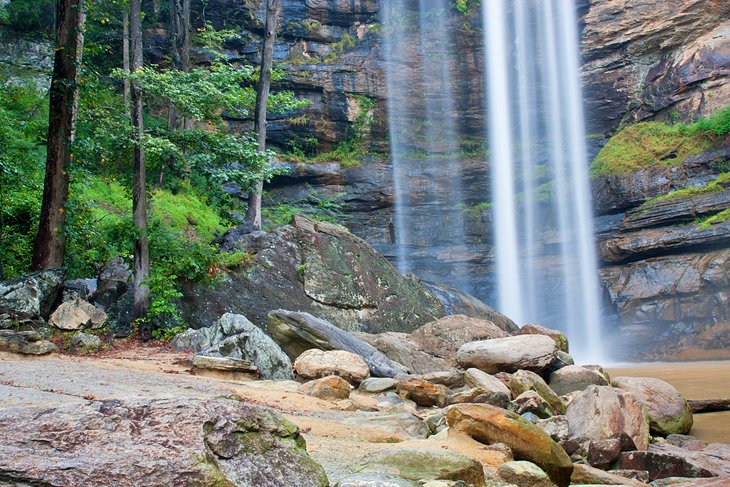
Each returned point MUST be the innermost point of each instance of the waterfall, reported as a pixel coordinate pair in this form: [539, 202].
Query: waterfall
[546, 266]
[534, 179]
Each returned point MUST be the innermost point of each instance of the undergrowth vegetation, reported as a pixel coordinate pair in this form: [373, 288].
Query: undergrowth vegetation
[649, 144]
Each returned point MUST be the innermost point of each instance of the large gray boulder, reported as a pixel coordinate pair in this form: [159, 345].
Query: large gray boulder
[180, 441]
[33, 296]
[319, 268]
[668, 412]
[234, 336]
[528, 352]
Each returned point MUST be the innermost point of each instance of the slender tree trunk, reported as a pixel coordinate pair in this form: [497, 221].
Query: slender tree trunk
[50, 241]
[139, 188]
[253, 214]
[125, 59]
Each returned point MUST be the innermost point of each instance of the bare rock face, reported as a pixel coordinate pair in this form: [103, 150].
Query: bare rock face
[489, 425]
[314, 364]
[602, 413]
[675, 292]
[314, 267]
[668, 412]
[528, 352]
[182, 441]
[443, 337]
[653, 59]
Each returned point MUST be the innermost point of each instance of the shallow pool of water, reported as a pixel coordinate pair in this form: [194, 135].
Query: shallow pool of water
[695, 380]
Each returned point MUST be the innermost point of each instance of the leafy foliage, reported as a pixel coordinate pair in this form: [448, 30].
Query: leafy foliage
[31, 16]
[23, 129]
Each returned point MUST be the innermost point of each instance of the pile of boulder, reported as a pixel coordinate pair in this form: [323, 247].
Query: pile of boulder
[36, 306]
[519, 393]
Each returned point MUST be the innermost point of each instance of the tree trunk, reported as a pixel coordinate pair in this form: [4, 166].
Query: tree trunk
[253, 214]
[125, 60]
[50, 241]
[139, 189]
[180, 46]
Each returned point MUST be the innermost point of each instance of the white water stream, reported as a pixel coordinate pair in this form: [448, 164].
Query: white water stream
[545, 264]
[545, 220]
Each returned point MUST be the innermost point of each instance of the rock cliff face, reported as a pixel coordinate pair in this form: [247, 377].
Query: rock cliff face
[665, 271]
[643, 59]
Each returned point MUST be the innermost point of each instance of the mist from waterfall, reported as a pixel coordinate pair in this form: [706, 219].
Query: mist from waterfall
[538, 164]
[424, 139]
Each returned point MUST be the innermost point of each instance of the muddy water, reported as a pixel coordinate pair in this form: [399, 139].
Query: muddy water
[695, 380]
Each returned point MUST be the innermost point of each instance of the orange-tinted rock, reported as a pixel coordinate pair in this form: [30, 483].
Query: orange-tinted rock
[489, 424]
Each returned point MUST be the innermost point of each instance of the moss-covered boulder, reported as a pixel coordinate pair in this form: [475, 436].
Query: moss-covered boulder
[322, 269]
[425, 465]
[668, 412]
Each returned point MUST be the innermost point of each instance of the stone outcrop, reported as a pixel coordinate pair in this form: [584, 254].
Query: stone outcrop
[669, 301]
[318, 268]
[182, 441]
[645, 59]
[662, 269]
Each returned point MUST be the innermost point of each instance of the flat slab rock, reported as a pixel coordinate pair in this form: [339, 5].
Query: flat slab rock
[181, 441]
